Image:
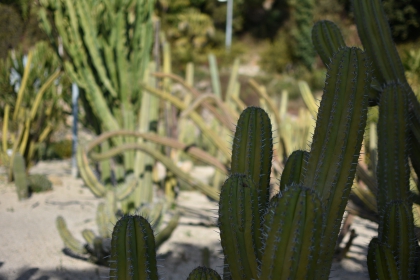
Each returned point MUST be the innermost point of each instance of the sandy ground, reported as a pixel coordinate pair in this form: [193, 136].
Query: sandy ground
[30, 247]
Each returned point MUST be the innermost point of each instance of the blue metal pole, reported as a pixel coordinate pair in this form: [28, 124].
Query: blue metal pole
[229, 15]
[74, 98]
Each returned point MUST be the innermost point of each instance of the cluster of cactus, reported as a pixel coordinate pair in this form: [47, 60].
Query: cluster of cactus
[124, 115]
[304, 216]
[293, 234]
[393, 253]
[27, 184]
[32, 106]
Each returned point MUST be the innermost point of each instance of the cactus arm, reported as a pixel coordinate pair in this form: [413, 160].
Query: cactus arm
[86, 173]
[102, 220]
[196, 94]
[195, 152]
[133, 253]
[25, 136]
[381, 261]
[375, 34]
[5, 128]
[68, 239]
[293, 227]
[392, 133]
[92, 44]
[337, 139]
[22, 86]
[233, 80]
[204, 97]
[252, 150]
[343, 110]
[89, 236]
[124, 190]
[293, 171]
[327, 39]
[308, 98]
[211, 192]
[166, 232]
[262, 93]
[214, 73]
[147, 120]
[396, 227]
[239, 220]
[40, 93]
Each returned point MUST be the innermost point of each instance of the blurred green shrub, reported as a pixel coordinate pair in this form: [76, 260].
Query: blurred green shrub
[277, 55]
[19, 25]
[403, 16]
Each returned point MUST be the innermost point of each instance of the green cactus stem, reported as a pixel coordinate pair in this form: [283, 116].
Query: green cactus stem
[293, 227]
[69, 241]
[89, 236]
[293, 171]
[327, 40]
[102, 220]
[396, 224]
[252, 151]
[239, 224]
[20, 177]
[133, 253]
[375, 34]
[381, 261]
[337, 139]
[393, 149]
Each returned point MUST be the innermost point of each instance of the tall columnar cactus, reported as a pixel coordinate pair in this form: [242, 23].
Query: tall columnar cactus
[396, 228]
[32, 104]
[392, 253]
[109, 46]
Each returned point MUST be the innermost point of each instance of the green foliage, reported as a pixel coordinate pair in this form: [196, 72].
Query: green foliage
[20, 28]
[26, 185]
[33, 101]
[403, 17]
[39, 183]
[278, 54]
[302, 18]
[393, 252]
[12, 27]
[294, 235]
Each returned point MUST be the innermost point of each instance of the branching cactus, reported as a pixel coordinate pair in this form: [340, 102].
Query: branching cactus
[293, 235]
[392, 254]
[318, 181]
